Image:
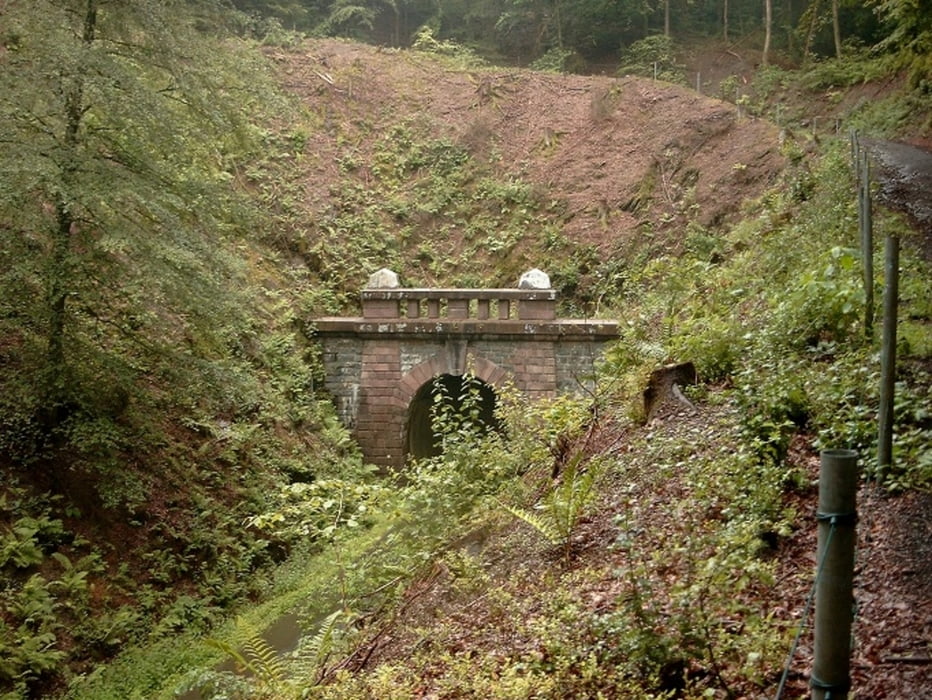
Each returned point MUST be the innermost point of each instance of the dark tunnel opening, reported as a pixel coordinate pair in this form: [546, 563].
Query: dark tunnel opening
[460, 392]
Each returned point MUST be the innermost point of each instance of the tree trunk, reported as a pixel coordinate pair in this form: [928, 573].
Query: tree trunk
[558, 14]
[810, 35]
[666, 18]
[836, 29]
[57, 299]
[58, 273]
[768, 23]
[725, 20]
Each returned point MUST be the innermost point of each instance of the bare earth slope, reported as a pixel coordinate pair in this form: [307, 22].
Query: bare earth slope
[621, 153]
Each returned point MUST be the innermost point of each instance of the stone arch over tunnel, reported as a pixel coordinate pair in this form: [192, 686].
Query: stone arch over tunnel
[375, 364]
[445, 372]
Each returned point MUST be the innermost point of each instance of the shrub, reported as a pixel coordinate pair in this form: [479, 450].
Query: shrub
[826, 303]
[653, 57]
[556, 60]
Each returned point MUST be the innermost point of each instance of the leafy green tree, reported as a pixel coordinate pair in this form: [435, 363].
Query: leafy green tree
[909, 32]
[119, 135]
[294, 14]
[532, 25]
[598, 27]
[350, 18]
[384, 21]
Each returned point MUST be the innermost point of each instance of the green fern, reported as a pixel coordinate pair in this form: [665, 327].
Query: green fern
[542, 524]
[265, 661]
[254, 656]
[258, 658]
[241, 661]
[313, 651]
[561, 509]
[567, 502]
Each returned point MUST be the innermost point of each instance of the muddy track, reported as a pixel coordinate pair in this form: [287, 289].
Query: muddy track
[905, 177]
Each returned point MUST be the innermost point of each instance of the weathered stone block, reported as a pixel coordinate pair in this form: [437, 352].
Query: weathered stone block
[383, 279]
[380, 308]
[537, 310]
[534, 279]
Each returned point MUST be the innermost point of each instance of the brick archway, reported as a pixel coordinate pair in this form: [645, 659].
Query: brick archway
[417, 384]
[376, 364]
[412, 381]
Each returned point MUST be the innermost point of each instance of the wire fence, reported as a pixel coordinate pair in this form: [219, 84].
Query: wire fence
[833, 522]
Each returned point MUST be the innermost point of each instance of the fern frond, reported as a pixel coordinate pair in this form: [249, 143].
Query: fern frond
[569, 499]
[242, 663]
[313, 650]
[562, 508]
[544, 526]
[322, 642]
[266, 663]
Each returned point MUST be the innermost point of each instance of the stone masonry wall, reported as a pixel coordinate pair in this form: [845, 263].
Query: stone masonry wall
[575, 365]
[373, 380]
[342, 358]
[380, 414]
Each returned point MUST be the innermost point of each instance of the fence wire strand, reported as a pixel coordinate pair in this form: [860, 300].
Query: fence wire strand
[807, 609]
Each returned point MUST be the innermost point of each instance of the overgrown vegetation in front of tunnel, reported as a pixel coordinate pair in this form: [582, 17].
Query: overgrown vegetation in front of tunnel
[190, 470]
[771, 315]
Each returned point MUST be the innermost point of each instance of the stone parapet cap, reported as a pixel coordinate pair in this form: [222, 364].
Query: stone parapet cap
[400, 293]
[560, 329]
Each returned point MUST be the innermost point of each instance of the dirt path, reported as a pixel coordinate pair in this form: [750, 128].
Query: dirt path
[905, 175]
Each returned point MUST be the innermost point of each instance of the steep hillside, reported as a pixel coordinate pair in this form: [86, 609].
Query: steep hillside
[600, 167]
[686, 550]
[632, 170]
[656, 595]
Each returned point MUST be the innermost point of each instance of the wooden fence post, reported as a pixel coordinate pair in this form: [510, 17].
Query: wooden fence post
[866, 220]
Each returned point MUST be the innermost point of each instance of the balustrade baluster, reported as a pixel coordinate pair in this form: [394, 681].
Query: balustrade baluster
[482, 309]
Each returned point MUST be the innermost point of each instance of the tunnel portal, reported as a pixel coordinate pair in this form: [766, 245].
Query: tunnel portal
[381, 368]
[461, 394]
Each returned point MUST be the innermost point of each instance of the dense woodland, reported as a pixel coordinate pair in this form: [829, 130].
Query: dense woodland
[525, 30]
[167, 461]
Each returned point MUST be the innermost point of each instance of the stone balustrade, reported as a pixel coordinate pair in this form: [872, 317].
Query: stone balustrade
[459, 304]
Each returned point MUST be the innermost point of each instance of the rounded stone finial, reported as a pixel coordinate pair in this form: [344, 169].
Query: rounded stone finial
[534, 279]
[383, 279]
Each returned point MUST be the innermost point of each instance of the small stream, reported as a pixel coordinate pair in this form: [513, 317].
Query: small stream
[282, 635]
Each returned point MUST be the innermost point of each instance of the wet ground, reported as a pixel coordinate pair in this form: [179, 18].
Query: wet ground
[904, 173]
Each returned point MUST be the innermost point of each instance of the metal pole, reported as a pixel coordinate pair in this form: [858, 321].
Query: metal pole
[888, 351]
[834, 602]
[867, 241]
